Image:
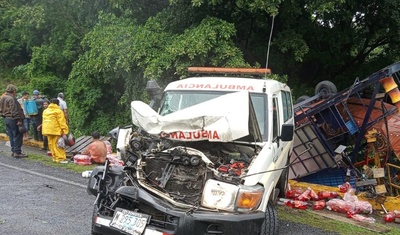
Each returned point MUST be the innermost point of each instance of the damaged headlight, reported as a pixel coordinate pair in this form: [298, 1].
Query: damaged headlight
[229, 197]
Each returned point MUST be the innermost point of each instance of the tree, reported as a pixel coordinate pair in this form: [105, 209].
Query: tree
[335, 40]
[120, 56]
[105, 51]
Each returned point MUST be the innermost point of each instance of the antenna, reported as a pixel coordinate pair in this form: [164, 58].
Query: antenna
[269, 41]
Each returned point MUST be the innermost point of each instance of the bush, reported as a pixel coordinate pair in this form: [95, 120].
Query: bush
[2, 127]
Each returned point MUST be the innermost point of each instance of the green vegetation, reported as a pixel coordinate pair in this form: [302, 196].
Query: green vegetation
[101, 53]
[45, 160]
[326, 224]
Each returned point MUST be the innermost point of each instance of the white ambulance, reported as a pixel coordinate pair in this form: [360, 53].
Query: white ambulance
[209, 154]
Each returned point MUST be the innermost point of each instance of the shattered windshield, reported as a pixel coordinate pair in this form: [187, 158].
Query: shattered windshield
[173, 101]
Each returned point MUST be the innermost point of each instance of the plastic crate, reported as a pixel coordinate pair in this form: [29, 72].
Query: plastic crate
[329, 177]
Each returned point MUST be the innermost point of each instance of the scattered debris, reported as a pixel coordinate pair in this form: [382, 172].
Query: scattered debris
[86, 174]
[303, 198]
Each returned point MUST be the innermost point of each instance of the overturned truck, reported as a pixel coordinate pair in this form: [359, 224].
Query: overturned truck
[356, 127]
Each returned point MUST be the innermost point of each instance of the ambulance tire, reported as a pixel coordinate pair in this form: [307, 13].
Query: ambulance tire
[283, 181]
[270, 225]
[95, 209]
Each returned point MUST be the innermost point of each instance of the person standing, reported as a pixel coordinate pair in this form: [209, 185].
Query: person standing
[55, 126]
[63, 104]
[27, 120]
[13, 115]
[36, 119]
[39, 128]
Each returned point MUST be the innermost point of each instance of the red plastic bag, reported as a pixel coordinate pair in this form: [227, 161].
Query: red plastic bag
[350, 195]
[61, 143]
[114, 161]
[69, 139]
[353, 207]
[361, 218]
[389, 217]
[313, 195]
[319, 205]
[344, 187]
[294, 193]
[296, 204]
[327, 195]
[339, 205]
[305, 196]
[81, 159]
[392, 216]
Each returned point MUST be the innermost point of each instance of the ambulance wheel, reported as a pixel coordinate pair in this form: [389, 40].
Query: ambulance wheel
[271, 224]
[95, 210]
[283, 181]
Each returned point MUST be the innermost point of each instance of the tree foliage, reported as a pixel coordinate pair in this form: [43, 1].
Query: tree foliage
[102, 53]
[120, 56]
[337, 40]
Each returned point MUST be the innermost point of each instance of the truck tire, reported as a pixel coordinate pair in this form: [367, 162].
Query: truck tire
[326, 87]
[302, 98]
[271, 224]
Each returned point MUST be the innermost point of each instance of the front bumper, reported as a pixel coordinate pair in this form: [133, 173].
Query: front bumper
[168, 220]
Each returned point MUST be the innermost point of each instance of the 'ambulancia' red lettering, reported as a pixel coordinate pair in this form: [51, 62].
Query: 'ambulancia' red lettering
[173, 135]
[216, 87]
[182, 135]
[215, 135]
[195, 135]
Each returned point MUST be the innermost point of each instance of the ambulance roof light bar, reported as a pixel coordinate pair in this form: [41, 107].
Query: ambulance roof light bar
[229, 70]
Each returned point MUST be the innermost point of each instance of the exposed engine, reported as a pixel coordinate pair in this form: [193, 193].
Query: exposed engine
[178, 170]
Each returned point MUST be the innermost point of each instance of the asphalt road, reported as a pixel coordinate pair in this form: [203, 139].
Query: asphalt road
[36, 199]
[40, 200]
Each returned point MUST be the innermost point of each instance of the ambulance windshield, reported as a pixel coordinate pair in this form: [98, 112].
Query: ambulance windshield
[173, 101]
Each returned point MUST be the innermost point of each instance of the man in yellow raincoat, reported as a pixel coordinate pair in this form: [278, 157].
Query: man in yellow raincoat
[55, 126]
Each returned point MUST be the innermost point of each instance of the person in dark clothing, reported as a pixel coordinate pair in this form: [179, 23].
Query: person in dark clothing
[13, 115]
[27, 120]
[36, 120]
[39, 128]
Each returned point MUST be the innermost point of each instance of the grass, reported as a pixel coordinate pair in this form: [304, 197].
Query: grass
[45, 160]
[326, 224]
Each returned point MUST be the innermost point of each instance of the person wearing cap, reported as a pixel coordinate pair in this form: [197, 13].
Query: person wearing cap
[63, 105]
[13, 115]
[46, 104]
[36, 119]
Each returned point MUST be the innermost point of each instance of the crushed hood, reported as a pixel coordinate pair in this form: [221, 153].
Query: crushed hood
[225, 118]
